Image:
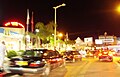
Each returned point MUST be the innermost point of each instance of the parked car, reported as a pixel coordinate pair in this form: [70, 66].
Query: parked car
[117, 53]
[90, 53]
[36, 61]
[106, 55]
[72, 56]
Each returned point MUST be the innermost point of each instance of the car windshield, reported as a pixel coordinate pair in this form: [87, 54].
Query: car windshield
[75, 52]
[105, 52]
[34, 53]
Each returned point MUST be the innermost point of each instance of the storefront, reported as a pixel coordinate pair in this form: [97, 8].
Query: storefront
[13, 35]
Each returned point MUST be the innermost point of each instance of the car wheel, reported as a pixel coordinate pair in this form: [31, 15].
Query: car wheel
[63, 64]
[80, 59]
[46, 71]
[111, 60]
[100, 60]
[12, 75]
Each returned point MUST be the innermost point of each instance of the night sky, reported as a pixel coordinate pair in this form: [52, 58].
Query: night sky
[80, 18]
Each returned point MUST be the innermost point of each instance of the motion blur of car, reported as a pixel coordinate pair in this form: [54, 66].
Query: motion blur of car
[106, 55]
[117, 53]
[83, 53]
[72, 56]
[37, 61]
[90, 53]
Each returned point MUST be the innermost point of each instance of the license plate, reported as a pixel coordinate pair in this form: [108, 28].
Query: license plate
[21, 63]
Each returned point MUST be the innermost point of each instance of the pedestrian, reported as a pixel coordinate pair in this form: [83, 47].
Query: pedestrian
[2, 54]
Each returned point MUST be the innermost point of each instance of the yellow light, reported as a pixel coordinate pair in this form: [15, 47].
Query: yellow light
[21, 25]
[118, 9]
[7, 24]
[60, 34]
[14, 23]
[45, 54]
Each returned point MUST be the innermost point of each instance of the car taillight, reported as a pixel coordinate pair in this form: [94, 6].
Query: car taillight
[59, 59]
[110, 54]
[34, 64]
[77, 56]
[71, 56]
[44, 60]
[100, 54]
[52, 60]
[105, 53]
[113, 52]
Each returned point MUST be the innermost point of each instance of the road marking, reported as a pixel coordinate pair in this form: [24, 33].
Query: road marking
[84, 69]
[74, 71]
[78, 71]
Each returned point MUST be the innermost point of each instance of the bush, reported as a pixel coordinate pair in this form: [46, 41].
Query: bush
[20, 52]
[11, 54]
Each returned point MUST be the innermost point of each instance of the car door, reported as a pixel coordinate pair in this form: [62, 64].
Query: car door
[60, 59]
[52, 59]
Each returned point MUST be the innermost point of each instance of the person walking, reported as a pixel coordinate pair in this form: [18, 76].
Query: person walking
[2, 54]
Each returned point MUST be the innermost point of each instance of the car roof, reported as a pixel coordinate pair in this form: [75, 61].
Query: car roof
[40, 50]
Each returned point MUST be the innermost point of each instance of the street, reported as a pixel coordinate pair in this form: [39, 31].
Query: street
[88, 67]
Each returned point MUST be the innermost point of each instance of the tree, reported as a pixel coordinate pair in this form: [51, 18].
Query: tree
[50, 27]
[50, 31]
[45, 31]
[42, 34]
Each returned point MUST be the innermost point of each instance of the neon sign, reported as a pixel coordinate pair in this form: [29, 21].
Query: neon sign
[14, 24]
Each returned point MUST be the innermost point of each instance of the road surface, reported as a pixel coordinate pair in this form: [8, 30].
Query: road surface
[88, 67]
[92, 67]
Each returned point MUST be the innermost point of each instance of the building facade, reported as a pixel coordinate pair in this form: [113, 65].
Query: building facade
[13, 34]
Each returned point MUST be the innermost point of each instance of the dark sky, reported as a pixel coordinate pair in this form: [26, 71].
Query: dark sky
[83, 18]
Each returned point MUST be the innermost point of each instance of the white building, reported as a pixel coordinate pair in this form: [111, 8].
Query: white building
[13, 35]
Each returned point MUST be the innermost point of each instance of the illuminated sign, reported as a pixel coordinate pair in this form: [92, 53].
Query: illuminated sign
[14, 24]
[108, 40]
[98, 41]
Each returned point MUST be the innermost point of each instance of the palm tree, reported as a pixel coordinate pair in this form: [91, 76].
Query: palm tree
[50, 31]
[42, 30]
[50, 27]
[45, 32]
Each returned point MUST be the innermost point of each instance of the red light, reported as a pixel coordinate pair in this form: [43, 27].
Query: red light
[33, 65]
[7, 24]
[105, 53]
[16, 24]
[99, 54]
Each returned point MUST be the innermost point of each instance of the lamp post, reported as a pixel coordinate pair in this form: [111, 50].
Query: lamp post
[38, 42]
[105, 35]
[55, 22]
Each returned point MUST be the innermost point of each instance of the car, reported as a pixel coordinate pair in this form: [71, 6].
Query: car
[36, 61]
[90, 53]
[117, 53]
[105, 55]
[83, 53]
[72, 56]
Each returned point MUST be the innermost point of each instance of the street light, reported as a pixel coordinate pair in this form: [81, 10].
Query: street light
[60, 34]
[56, 22]
[118, 9]
[37, 39]
[105, 35]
